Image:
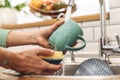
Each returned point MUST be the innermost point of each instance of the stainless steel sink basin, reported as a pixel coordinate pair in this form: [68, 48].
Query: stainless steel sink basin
[70, 69]
[115, 68]
[69, 74]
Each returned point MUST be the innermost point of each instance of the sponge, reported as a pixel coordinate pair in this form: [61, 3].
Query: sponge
[56, 58]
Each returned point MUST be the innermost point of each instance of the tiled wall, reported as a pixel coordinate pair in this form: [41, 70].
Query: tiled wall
[92, 30]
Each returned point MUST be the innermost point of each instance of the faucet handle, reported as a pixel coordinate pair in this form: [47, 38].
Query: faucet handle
[118, 40]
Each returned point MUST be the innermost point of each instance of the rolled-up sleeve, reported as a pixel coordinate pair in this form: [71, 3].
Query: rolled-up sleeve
[3, 37]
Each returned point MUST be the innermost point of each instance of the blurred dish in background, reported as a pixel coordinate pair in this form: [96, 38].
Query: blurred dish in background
[48, 7]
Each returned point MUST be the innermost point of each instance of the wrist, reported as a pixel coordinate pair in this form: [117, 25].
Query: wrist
[5, 57]
[32, 38]
[21, 38]
[11, 60]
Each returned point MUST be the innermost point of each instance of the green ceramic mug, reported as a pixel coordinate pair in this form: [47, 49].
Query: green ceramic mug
[66, 35]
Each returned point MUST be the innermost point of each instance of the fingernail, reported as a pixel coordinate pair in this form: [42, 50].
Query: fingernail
[52, 51]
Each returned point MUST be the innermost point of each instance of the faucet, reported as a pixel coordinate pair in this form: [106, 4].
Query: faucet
[105, 48]
[69, 9]
[71, 3]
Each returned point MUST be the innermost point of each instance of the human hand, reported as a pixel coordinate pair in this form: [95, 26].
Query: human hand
[40, 37]
[29, 62]
[44, 34]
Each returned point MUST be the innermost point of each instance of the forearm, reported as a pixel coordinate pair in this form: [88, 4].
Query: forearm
[21, 38]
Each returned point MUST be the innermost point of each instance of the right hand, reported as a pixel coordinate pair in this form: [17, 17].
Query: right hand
[29, 62]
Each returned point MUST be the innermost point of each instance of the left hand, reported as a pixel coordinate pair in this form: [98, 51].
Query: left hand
[29, 62]
[44, 34]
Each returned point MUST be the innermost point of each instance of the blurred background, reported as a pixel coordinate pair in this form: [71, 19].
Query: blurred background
[32, 11]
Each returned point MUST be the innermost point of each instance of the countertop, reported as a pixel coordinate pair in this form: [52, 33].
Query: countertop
[37, 77]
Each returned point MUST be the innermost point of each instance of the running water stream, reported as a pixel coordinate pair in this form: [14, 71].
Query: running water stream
[67, 17]
[68, 13]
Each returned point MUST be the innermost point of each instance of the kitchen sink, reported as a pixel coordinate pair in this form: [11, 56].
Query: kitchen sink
[69, 74]
[70, 69]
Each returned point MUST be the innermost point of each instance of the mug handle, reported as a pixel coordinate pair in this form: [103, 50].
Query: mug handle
[79, 48]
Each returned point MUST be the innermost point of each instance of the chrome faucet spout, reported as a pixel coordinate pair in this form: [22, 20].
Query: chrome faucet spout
[69, 9]
[105, 48]
[103, 21]
[71, 3]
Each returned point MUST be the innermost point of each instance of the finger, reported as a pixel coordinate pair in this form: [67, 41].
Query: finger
[48, 73]
[57, 24]
[25, 73]
[38, 72]
[53, 67]
[43, 42]
[45, 52]
[41, 51]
